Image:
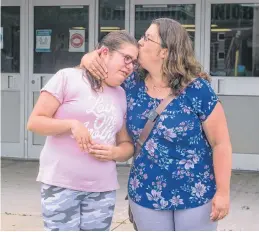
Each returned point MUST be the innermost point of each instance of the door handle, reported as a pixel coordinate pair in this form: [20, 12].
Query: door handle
[220, 83]
[10, 82]
[42, 81]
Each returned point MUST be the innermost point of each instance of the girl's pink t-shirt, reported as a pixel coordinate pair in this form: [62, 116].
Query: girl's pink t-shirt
[62, 163]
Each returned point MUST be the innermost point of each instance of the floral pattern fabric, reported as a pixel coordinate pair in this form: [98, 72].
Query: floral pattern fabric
[174, 169]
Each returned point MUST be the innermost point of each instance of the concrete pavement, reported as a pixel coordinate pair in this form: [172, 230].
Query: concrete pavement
[20, 203]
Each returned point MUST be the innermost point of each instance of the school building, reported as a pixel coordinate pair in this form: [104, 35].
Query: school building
[39, 37]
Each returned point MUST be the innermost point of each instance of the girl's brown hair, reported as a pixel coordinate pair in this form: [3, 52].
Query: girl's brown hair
[113, 41]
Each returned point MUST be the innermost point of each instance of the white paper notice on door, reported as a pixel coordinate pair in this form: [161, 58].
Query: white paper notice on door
[1, 37]
[76, 40]
[43, 40]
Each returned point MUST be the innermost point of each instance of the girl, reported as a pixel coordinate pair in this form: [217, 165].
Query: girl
[78, 191]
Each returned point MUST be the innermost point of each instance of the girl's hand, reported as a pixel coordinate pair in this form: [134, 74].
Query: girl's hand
[81, 135]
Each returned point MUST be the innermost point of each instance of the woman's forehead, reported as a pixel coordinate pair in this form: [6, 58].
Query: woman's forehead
[152, 30]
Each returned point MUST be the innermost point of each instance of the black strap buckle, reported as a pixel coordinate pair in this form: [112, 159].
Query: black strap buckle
[153, 115]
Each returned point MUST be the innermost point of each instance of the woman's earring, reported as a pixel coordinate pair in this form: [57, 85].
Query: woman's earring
[176, 82]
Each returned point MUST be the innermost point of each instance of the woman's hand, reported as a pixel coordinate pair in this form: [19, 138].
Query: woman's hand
[220, 206]
[81, 135]
[103, 152]
[94, 64]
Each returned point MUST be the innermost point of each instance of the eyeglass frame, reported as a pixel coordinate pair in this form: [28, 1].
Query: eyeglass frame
[146, 38]
[133, 62]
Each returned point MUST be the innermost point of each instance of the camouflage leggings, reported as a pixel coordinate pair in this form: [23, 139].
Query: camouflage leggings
[66, 209]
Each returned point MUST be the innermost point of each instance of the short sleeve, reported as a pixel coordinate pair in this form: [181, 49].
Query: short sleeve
[56, 86]
[203, 98]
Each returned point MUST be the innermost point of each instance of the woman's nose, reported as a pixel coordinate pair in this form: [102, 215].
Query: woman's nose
[141, 42]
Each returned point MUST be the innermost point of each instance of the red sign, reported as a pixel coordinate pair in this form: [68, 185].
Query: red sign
[76, 40]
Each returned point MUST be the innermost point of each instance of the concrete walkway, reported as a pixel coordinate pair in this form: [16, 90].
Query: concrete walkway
[20, 203]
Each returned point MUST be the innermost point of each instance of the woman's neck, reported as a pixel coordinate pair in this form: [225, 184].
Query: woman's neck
[157, 79]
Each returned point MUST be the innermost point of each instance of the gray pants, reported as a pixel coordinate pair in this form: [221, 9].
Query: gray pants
[195, 219]
[66, 209]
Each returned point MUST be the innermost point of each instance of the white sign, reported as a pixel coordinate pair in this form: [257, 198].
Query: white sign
[43, 40]
[1, 38]
[76, 40]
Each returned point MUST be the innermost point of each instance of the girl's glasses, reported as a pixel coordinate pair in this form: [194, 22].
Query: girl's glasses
[128, 60]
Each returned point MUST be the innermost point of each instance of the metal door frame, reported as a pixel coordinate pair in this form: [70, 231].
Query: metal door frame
[198, 23]
[241, 86]
[34, 150]
[18, 150]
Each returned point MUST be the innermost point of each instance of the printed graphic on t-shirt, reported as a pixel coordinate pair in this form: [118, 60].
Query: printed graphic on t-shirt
[105, 123]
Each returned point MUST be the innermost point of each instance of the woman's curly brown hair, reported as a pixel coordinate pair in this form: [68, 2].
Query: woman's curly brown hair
[180, 66]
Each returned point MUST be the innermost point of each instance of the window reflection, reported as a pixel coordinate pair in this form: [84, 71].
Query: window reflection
[54, 46]
[183, 13]
[10, 50]
[234, 47]
[111, 16]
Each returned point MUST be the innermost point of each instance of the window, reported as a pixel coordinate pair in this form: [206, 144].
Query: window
[183, 13]
[234, 45]
[10, 46]
[61, 37]
[111, 16]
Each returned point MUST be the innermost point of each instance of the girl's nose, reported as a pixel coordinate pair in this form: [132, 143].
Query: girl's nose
[130, 66]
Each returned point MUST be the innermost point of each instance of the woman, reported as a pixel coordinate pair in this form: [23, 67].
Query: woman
[181, 178]
[75, 111]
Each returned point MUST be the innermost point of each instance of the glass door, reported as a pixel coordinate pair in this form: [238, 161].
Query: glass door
[60, 32]
[232, 56]
[187, 12]
[13, 61]
[232, 46]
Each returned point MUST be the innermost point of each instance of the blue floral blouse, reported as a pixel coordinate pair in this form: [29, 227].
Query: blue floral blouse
[174, 169]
